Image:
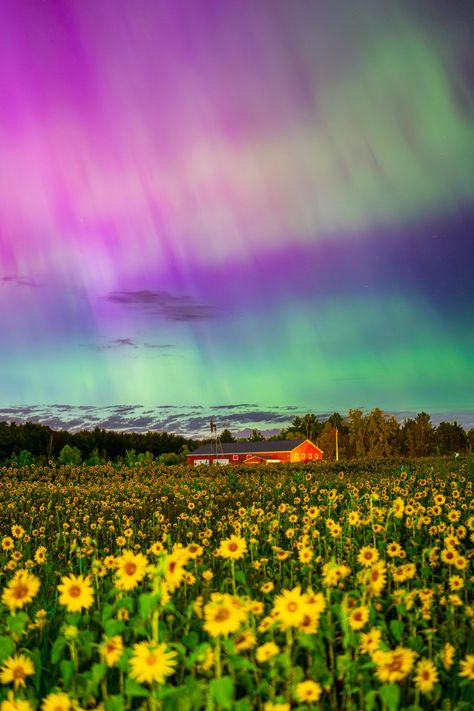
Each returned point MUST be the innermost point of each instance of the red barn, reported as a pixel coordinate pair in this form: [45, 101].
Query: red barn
[273, 452]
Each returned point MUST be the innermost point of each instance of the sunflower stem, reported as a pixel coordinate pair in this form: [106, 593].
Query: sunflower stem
[232, 568]
[217, 662]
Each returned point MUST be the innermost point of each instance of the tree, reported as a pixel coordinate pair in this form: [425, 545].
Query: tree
[416, 436]
[25, 458]
[226, 436]
[450, 438]
[168, 459]
[256, 436]
[357, 427]
[70, 455]
[327, 441]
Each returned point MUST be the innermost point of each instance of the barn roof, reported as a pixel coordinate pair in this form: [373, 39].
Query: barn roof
[282, 445]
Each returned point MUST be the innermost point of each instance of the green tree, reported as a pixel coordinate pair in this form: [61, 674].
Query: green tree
[256, 436]
[226, 436]
[70, 455]
[357, 431]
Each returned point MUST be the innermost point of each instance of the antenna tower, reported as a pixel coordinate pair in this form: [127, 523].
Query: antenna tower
[216, 442]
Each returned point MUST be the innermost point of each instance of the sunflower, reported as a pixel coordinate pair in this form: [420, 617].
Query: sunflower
[194, 550]
[17, 531]
[358, 617]
[271, 706]
[310, 622]
[8, 543]
[267, 651]
[375, 578]
[111, 650]
[290, 608]
[394, 665]
[233, 547]
[223, 615]
[20, 590]
[447, 655]
[40, 555]
[131, 569]
[394, 549]
[370, 641]
[305, 555]
[267, 587]
[244, 640]
[75, 592]
[15, 669]
[467, 667]
[368, 556]
[151, 662]
[307, 691]
[426, 675]
[12, 704]
[56, 702]
[449, 555]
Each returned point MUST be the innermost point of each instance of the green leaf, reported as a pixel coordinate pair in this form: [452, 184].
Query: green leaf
[66, 667]
[240, 577]
[396, 629]
[222, 691]
[370, 700]
[133, 688]
[17, 623]
[191, 640]
[35, 656]
[146, 603]
[6, 648]
[390, 695]
[57, 650]
[98, 672]
[114, 703]
[113, 627]
[107, 612]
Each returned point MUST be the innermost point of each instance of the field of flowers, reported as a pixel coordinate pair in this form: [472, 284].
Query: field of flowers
[302, 587]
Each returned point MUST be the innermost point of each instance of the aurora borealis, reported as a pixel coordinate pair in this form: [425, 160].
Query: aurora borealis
[264, 201]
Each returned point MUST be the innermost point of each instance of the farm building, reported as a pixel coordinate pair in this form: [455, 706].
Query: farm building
[275, 452]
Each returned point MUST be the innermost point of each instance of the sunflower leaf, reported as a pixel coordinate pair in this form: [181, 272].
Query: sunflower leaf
[390, 695]
[222, 691]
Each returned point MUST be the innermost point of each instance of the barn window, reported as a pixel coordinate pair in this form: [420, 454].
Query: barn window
[303, 456]
[310, 456]
[296, 455]
[235, 457]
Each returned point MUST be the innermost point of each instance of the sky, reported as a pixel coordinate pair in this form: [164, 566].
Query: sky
[207, 203]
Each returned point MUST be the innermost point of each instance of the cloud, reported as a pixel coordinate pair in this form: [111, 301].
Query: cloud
[189, 420]
[164, 304]
[18, 280]
[129, 343]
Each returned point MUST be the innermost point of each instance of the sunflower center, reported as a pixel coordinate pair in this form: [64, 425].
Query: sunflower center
[172, 566]
[425, 674]
[130, 568]
[292, 607]
[20, 591]
[74, 591]
[222, 615]
[395, 665]
[18, 673]
[151, 659]
[233, 546]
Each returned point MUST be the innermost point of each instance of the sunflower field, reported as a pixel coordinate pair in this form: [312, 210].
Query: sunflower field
[287, 587]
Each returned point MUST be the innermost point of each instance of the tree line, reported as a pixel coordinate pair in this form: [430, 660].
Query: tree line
[375, 434]
[359, 435]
